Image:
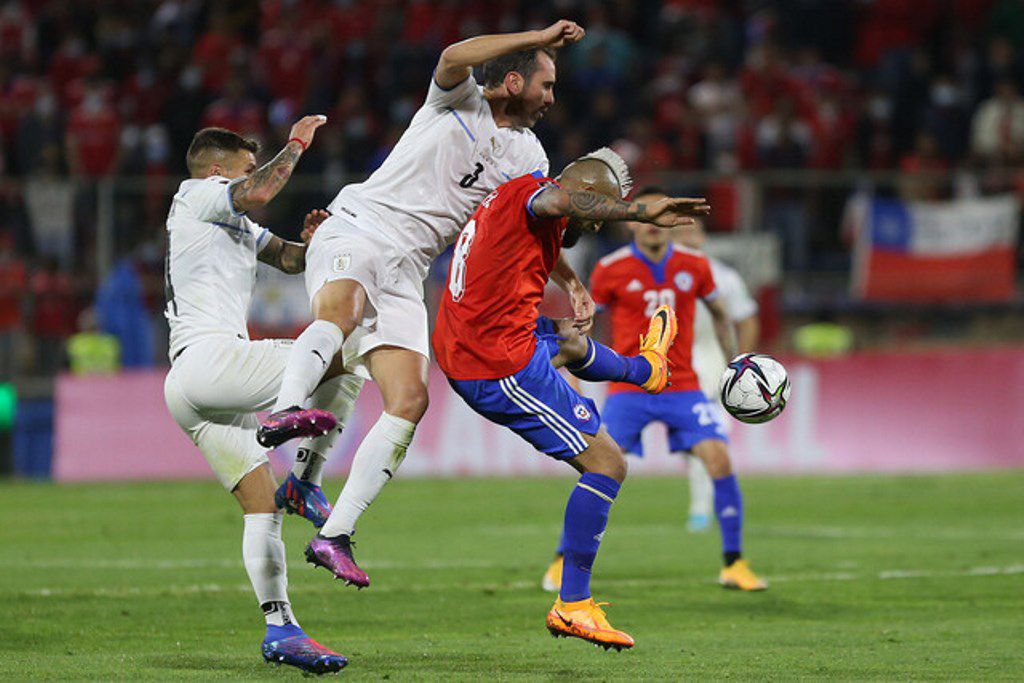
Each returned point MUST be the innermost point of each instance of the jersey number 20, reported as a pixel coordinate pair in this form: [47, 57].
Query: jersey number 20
[658, 297]
[457, 279]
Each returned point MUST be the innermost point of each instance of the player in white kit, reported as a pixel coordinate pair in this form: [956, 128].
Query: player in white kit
[219, 378]
[709, 361]
[367, 263]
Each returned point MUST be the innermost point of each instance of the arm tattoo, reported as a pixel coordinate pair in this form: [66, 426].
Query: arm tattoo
[266, 181]
[598, 207]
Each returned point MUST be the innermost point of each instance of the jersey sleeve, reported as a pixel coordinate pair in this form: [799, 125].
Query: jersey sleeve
[463, 95]
[210, 200]
[706, 288]
[262, 235]
[735, 296]
[601, 290]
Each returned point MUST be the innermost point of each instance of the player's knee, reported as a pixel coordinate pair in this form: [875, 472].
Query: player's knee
[571, 344]
[715, 456]
[340, 303]
[409, 404]
[608, 460]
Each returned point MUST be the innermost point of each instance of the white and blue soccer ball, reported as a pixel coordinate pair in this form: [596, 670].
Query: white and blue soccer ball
[755, 388]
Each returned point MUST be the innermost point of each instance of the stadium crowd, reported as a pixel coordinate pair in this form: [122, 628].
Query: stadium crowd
[116, 88]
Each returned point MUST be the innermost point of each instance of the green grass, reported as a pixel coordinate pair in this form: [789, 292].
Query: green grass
[872, 577]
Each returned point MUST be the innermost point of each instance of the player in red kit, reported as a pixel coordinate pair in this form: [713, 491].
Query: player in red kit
[488, 343]
[633, 282]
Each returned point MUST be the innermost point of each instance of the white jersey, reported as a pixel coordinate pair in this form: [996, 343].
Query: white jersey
[450, 158]
[708, 359]
[211, 263]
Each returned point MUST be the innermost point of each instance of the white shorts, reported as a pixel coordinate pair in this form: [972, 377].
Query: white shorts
[216, 386]
[395, 314]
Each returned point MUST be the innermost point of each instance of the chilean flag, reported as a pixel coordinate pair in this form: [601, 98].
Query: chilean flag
[960, 250]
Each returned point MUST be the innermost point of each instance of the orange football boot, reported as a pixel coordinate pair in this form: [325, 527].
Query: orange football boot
[740, 576]
[654, 346]
[586, 620]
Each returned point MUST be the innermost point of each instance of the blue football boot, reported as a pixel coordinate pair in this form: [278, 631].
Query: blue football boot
[303, 498]
[288, 644]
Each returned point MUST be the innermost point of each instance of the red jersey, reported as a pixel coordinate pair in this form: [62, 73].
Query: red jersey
[496, 281]
[631, 287]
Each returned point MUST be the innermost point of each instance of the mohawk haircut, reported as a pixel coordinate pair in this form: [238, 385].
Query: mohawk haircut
[618, 166]
[523, 62]
[216, 140]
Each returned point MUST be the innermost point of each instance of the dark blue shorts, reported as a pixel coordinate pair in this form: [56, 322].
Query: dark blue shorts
[689, 416]
[537, 404]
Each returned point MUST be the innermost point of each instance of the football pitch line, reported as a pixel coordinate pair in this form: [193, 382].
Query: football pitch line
[779, 531]
[203, 588]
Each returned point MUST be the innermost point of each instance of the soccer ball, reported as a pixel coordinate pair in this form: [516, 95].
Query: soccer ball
[754, 388]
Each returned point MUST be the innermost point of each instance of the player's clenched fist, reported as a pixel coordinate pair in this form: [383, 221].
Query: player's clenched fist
[304, 128]
[671, 212]
[561, 33]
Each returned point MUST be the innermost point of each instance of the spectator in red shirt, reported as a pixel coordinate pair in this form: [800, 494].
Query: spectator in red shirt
[12, 285]
[93, 135]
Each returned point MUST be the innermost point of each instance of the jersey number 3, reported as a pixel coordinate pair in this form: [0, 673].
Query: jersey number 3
[470, 178]
[457, 279]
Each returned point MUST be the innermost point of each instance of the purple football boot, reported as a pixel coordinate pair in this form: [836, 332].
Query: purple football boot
[288, 644]
[292, 423]
[335, 555]
[303, 498]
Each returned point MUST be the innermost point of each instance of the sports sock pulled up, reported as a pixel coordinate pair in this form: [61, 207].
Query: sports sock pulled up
[729, 511]
[376, 460]
[586, 516]
[309, 359]
[602, 364]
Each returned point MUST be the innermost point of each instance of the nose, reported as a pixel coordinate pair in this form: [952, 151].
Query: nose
[549, 99]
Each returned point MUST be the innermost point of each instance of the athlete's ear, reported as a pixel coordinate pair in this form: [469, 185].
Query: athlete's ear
[513, 82]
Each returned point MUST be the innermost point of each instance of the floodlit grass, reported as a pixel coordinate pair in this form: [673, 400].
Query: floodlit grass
[871, 577]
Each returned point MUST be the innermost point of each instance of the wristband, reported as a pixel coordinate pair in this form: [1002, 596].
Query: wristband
[302, 144]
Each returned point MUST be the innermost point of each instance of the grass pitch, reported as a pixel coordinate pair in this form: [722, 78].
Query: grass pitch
[871, 577]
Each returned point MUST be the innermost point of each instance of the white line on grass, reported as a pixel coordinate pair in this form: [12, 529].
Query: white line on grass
[321, 587]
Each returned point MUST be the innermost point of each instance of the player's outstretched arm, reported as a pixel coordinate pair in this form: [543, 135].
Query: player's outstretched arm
[265, 182]
[668, 212]
[583, 306]
[458, 60]
[724, 330]
[290, 257]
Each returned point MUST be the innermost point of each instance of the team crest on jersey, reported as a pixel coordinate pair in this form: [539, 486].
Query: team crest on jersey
[341, 263]
[497, 148]
[634, 286]
[581, 412]
[684, 281]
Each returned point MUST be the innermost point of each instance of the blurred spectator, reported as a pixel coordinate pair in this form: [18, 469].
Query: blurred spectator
[90, 351]
[93, 134]
[997, 130]
[54, 311]
[921, 169]
[40, 136]
[716, 99]
[783, 140]
[122, 313]
[12, 287]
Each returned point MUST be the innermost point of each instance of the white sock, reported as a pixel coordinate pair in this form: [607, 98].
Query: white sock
[265, 562]
[375, 462]
[701, 489]
[337, 395]
[311, 353]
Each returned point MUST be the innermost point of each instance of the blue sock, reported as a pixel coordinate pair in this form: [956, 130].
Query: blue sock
[586, 516]
[602, 364]
[729, 510]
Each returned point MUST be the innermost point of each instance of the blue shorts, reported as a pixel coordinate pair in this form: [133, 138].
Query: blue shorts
[537, 404]
[547, 336]
[689, 416]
